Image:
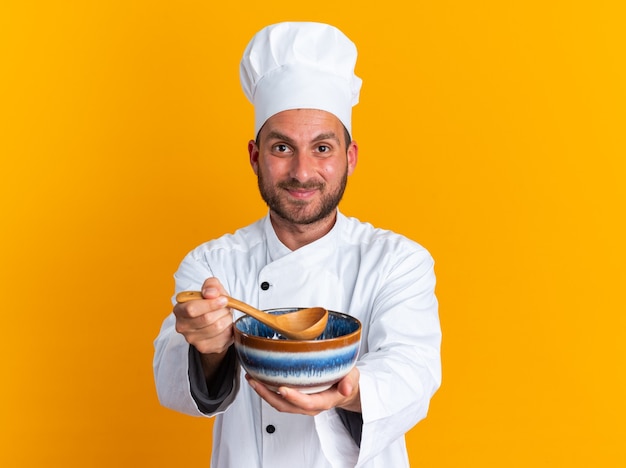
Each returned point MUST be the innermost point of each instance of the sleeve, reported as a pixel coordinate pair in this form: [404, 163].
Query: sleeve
[401, 369]
[210, 399]
[175, 365]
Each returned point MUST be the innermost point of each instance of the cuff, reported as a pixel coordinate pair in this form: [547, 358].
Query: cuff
[210, 397]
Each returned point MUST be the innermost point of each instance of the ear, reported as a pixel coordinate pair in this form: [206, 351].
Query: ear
[253, 151]
[353, 156]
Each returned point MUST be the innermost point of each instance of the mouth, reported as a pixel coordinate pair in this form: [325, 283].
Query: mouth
[302, 192]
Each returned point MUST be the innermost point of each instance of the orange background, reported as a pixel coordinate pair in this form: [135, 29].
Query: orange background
[491, 132]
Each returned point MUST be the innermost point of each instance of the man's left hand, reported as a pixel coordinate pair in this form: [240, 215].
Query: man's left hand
[344, 394]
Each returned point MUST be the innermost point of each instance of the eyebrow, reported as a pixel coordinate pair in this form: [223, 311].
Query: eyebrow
[326, 136]
[274, 135]
[322, 136]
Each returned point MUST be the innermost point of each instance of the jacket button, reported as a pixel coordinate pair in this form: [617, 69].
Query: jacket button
[265, 285]
[270, 429]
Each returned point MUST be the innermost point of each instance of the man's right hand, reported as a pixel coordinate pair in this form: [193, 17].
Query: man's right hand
[207, 324]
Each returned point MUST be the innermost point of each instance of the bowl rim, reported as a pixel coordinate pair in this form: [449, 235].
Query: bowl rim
[337, 341]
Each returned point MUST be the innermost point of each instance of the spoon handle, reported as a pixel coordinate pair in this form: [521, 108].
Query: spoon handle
[187, 296]
[243, 307]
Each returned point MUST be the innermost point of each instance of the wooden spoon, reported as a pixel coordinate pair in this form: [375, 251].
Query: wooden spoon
[304, 324]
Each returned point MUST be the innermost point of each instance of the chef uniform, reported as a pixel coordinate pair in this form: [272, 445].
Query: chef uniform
[382, 278]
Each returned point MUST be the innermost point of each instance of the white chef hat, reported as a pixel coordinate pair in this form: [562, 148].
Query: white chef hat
[300, 65]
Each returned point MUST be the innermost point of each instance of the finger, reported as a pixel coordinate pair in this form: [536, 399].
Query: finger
[206, 326]
[275, 400]
[212, 287]
[310, 404]
[210, 292]
[295, 397]
[263, 391]
[213, 337]
[211, 323]
[197, 308]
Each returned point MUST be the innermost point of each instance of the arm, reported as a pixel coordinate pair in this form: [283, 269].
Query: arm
[401, 369]
[190, 353]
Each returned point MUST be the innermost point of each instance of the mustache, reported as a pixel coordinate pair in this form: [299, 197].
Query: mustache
[294, 184]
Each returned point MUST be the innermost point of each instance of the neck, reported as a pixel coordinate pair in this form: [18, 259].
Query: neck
[295, 236]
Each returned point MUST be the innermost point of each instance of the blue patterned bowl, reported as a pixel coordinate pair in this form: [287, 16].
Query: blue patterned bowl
[307, 365]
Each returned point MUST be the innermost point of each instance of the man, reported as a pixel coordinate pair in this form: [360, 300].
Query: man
[300, 79]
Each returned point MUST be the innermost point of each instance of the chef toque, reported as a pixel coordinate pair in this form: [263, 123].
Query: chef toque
[300, 65]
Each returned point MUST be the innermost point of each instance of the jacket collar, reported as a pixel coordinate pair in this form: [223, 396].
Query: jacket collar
[324, 246]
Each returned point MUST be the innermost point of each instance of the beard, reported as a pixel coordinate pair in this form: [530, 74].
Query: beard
[302, 212]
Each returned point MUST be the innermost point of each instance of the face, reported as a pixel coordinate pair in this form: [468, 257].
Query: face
[302, 164]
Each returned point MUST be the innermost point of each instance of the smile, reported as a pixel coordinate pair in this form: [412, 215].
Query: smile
[302, 194]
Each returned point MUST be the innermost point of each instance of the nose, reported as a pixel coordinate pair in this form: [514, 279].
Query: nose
[301, 167]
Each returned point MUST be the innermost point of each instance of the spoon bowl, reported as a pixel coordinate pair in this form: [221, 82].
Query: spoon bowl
[302, 324]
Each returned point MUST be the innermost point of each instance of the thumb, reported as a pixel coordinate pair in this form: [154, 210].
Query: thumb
[345, 387]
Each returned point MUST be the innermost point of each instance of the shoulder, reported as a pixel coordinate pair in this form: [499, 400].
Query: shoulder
[384, 251]
[242, 240]
[356, 232]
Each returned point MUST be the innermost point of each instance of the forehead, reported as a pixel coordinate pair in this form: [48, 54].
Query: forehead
[302, 124]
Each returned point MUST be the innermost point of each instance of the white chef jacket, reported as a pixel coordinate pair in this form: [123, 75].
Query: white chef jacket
[383, 279]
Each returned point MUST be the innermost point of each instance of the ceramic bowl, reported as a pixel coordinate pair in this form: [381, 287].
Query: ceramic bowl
[310, 365]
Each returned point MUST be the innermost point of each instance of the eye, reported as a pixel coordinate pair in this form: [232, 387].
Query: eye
[281, 148]
[323, 149]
